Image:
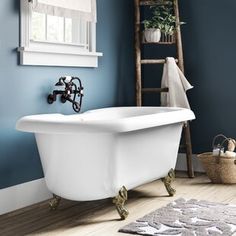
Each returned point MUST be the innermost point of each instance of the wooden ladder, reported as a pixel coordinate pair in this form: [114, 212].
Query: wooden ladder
[139, 62]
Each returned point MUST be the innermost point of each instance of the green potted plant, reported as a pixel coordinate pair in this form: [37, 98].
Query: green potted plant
[161, 21]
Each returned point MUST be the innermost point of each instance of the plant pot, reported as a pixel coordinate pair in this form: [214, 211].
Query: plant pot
[152, 35]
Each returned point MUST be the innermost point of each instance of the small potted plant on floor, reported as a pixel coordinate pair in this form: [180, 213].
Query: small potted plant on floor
[161, 22]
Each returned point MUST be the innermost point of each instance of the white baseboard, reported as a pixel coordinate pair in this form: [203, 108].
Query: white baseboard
[182, 165]
[23, 195]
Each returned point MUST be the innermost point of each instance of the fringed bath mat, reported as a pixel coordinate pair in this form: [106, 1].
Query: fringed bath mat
[187, 218]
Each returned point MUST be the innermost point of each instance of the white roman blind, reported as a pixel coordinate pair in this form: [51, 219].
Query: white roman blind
[83, 9]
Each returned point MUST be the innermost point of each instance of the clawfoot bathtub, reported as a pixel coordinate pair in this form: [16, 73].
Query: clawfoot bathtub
[103, 153]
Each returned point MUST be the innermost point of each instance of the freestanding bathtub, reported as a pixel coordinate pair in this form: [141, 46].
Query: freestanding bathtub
[101, 153]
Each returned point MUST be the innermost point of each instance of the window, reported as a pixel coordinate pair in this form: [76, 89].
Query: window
[58, 33]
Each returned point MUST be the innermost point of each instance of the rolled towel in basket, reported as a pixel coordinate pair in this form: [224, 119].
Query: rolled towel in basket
[229, 154]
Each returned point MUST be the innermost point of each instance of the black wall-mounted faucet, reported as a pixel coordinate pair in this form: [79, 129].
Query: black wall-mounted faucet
[69, 93]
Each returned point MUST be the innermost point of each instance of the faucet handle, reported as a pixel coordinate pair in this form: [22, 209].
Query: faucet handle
[59, 83]
[67, 79]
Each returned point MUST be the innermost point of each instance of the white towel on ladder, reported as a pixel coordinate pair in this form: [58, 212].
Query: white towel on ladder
[174, 79]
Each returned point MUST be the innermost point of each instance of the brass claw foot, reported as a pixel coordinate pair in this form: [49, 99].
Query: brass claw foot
[167, 182]
[54, 203]
[119, 201]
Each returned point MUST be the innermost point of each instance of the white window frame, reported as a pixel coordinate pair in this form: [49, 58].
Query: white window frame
[50, 53]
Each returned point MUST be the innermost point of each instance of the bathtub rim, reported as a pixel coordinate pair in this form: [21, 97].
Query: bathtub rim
[58, 123]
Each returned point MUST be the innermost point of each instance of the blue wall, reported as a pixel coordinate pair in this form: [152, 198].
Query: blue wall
[23, 89]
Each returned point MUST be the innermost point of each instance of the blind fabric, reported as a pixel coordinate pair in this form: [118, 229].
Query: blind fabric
[85, 9]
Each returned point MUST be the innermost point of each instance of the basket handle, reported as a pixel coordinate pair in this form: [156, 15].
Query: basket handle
[218, 136]
[221, 145]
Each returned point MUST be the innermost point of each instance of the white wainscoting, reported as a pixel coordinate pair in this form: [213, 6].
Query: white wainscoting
[23, 195]
[182, 165]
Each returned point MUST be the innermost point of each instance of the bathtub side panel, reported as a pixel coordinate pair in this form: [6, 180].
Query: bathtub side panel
[146, 155]
[94, 166]
[79, 166]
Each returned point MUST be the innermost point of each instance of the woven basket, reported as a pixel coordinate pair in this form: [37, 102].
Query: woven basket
[220, 170]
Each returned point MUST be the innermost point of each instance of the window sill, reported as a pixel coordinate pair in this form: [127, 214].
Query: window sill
[34, 56]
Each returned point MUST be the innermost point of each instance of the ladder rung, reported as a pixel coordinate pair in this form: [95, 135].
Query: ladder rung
[153, 2]
[154, 90]
[156, 61]
[160, 43]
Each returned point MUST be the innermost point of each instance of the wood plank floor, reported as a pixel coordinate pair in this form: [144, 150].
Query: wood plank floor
[99, 218]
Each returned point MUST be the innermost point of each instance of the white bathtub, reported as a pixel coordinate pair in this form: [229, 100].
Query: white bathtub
[92, 155]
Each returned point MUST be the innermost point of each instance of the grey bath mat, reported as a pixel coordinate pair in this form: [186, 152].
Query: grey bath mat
[187, 218]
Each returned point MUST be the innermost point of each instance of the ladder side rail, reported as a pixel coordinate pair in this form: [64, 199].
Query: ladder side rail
[179, 44]
[138, 53]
